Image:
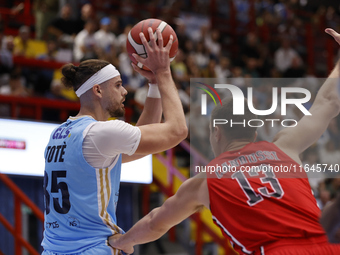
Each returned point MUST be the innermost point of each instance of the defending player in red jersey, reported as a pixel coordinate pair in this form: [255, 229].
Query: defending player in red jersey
[261, 211]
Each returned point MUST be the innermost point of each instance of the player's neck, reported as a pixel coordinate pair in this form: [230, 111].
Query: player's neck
[234, 146]
[91, 105]
[96, 112]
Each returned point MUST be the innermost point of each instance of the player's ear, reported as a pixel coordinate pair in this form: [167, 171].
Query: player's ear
[255, 136]
[217, 133]
[97, 91]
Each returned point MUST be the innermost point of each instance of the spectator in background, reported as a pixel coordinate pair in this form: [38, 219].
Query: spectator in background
[310, 160]
[44, 77]
[284, 56]
[250, 48]
[242, 10]
[281, 10]
[181, 33]
[332, 18]
[44, 11]
[52, 50]
[179, 69]
[110, 56]
[141, 94]
[188, 47]
[59, 91]
[6, 57]
[334, 132]
[330, 219]
[8, 49]
[251, 67]
[75, 6]
[296, 69]
[264, 5]
[121, 39]
[85, 43]
[23, 43]
[297, 34]
[104, 38]
[16, 85]
[211, 42]
[114, 25]
[13, 87]
[124, 62]
[222, 70]
[64, 28]
[128, 11]
[2, 23]
[319, 17]
[183, 95]
[324, 195]
[265, 62]
[329, 155]
[238, 77]
[201, 55]
[209, 71]
[87, 13]
[8, 43]
[132, 82]
[198, 128]
[193, 70]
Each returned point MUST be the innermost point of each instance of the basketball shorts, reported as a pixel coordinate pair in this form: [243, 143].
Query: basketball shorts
[101, 249]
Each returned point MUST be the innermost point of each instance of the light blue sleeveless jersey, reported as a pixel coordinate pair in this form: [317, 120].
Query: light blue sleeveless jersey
[80, 201]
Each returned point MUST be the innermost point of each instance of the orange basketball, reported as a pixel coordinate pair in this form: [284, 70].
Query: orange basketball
[134, 43]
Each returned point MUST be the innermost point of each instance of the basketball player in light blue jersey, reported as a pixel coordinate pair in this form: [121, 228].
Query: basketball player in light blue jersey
[84, 154]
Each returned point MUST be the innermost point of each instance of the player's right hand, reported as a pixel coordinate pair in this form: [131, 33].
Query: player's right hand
[147, 74]
[158, 60]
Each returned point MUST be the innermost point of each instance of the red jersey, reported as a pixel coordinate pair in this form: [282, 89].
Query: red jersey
[255, 208]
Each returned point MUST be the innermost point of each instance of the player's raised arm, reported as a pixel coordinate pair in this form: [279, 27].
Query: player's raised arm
[162, 136]
[294, 140]
[152, 111]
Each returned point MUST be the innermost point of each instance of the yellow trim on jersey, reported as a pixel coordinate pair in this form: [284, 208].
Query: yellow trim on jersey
[105, 194]
[102, 195]
[108, 190]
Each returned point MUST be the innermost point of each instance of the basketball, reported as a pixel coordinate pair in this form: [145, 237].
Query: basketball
[134, 43]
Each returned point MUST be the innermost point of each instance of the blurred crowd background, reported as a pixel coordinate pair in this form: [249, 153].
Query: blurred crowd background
[230, 40]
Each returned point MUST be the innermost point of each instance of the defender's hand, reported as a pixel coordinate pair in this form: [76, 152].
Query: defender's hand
[334, 34]
[115, 242]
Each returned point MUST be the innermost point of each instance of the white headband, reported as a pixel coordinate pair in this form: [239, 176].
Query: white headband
[104, 74]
